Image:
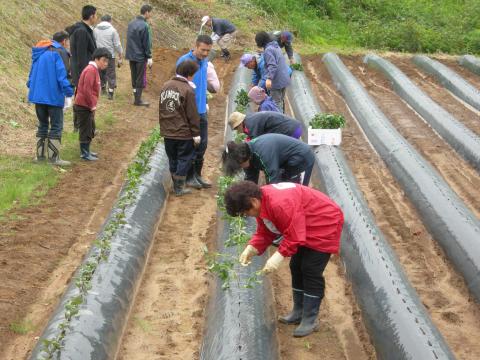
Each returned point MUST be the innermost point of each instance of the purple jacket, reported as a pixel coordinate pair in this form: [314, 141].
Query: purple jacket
[276, 66]
[268, 105]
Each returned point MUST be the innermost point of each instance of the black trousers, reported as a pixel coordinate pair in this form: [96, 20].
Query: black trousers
[180, 155]
[307, 267]
[137, 69]
[86, 123]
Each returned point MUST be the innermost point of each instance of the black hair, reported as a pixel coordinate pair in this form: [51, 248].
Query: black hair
[233, 156]
[145, 8]
[262, 39]
[204, 39]
[87, 11]
[101, 52]
[187, 68]
[238, 197]
[60, 36]
[106, 18]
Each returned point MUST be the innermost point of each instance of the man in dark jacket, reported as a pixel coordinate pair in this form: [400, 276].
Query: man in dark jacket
[180, 123]
[276, 68]
[223, 33]
[48, 89]
[284, 40]
[265, 122]
[139, 52]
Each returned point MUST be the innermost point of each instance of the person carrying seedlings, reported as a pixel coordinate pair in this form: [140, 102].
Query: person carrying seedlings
[180, 123]
[107, 36]
[199, 54]
[86, 98]
[139, 52]
[264, 102]
[284, 40]
[311, 225]
[265, 122]
[223, 33]
[277, 70]
[51, 92]
[281, 158]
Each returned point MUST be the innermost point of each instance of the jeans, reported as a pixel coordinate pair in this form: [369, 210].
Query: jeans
[307, 267]
[49, 116]
[180, 155]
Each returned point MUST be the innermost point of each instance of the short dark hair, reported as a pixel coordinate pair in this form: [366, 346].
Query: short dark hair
[233, 156]
[106, 18]
[145, 8]
[101, 52]
[60, 36]
[187, 68]
[238, 197]
[87, 11]
[262, 39]
[204, 39]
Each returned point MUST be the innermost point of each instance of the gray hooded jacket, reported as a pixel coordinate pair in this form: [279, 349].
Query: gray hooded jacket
[107, 36]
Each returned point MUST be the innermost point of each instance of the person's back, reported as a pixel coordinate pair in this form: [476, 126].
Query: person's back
[222, 26]
[270, 122]
[138, 41]
[276, 66]
[106, 36]
[268, 105]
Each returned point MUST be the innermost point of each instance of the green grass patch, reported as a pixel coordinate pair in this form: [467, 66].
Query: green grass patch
[22, 327]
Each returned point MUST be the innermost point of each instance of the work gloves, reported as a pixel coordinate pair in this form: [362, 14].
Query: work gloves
[196, 140]
[247, 254]
[150, 62]
[268, 84]
[119, 63]
[273, 263]
[68, 103]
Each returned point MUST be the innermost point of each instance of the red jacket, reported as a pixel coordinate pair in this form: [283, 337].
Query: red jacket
[88, 88]
[304, 216]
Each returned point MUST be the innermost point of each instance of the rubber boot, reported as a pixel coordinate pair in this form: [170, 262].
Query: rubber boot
[138, 98]
[295, 316]
[54, 153]
[85, 152]
[198, 166]
[104, 90]
[40, 150]
[179, 186]
[226, 55]
[192, 180]
[110, 94]
[309, 323]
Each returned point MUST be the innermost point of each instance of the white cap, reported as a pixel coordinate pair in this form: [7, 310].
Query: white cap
[205, 19]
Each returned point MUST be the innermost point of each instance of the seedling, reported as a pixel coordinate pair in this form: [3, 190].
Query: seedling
[297, 67]
[242, 101]
[239, 137]
[327, 121]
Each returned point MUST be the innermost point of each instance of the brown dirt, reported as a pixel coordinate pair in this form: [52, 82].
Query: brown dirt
[167, 318]
[40, 252]
[441, 289]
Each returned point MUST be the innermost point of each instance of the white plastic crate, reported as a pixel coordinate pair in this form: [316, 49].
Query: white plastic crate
[324, 136]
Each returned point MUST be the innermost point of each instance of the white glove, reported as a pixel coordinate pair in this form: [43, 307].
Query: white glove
[215, 37]
[68, 103]
[273, 263]
[196, 140]
[150, 62]
[247, 254]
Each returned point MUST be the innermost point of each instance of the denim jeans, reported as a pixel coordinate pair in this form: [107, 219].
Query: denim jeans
[50, 121]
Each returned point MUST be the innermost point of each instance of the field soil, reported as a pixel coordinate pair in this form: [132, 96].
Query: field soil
[41, 250]
[441, 289]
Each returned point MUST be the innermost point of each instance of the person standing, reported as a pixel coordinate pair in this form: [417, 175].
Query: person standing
[284, 40]
[86, 98]
[107, 36]
[277, 70]
[260, 97]
[139, 52]
[311, 224]
[50, 91]
[199, 54]
[180, 123]
[223, 33]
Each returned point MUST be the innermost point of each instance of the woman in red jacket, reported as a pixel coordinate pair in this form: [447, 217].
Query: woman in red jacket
[311, 225]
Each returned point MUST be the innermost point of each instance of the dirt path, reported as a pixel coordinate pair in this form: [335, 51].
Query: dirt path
[441, 289]
[40, 252]
[167, 318]
[462, 112]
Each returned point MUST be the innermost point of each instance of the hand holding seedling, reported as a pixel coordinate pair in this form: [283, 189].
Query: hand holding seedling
[247, 254]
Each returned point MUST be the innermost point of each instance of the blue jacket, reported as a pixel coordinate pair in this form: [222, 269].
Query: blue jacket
[259, 76]
[268, 105]
[48, 81]
[276, 67]
[222, 26]
[200, 81]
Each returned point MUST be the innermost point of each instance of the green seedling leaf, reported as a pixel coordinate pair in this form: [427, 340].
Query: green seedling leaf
[327, 121]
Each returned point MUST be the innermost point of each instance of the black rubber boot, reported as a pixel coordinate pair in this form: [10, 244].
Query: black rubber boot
[192, 179]
[226, 55]
[179, 186]
[85, 152]
[198, 166]
[53, 151]
[295, 316]
[110, 94]
[138, 98]
[40, 150]
[309, 323]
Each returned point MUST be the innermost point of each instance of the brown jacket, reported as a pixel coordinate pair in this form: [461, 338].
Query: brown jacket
[179, 117]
